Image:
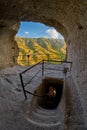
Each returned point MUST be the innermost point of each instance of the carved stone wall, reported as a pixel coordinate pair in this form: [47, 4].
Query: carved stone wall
[69, 17]
[8, 45]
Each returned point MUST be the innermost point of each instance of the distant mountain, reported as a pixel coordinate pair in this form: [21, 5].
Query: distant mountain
[32, 50]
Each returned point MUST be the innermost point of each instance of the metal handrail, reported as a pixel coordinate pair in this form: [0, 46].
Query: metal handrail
[31, 67]
[35, 94]
[21, 78]
[65, 70]
[69, 62]
[31, 79]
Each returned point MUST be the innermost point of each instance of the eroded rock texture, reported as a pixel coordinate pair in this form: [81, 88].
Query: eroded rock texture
[8, 46]
[69, 17]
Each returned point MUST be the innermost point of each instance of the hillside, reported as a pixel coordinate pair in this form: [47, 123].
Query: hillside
[33, 50]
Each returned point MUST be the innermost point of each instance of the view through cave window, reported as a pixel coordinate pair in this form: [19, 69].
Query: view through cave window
[37, 42]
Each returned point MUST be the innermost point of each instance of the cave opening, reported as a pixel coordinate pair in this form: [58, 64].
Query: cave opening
[37, 42]
[51, 99]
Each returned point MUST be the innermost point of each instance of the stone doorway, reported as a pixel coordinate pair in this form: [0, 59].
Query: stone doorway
[50, 100]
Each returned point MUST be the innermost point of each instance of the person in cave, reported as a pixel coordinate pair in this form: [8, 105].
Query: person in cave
[52, 92]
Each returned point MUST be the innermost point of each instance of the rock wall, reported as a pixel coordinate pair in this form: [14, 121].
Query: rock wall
[77, 53]
[69, 17]
[8, 46]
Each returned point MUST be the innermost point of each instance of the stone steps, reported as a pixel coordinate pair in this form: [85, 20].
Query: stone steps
[44, 126]
[44, 115]
[46, 112]
[44, 118]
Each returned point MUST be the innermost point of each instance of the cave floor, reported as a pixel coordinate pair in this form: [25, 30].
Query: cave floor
[17, 113]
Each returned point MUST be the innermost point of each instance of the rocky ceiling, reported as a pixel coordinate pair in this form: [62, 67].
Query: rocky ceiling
[62, 14]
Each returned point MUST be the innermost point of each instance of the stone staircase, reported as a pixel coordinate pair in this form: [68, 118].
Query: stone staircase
[44, 118]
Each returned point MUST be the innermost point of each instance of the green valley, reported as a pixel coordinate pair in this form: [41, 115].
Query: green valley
[33, 50]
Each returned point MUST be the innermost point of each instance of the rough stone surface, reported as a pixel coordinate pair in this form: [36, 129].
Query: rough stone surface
[69, 17]
[8, 46]
[17, 113]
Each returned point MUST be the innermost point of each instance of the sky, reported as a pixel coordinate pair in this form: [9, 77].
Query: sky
[37, 30]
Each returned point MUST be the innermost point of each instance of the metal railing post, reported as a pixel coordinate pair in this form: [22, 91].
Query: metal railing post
[28, 59]
[42, 68]
[23, 86]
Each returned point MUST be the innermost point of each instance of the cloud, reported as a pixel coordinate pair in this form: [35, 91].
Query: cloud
[52, 33]
[26, 32]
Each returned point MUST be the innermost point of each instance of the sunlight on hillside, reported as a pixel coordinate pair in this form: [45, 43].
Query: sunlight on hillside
[33, 50]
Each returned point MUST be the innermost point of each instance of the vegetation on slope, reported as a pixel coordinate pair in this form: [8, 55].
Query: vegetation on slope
[33, 50]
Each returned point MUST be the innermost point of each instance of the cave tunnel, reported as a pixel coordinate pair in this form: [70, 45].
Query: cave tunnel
[51, 89]
[69, 17]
